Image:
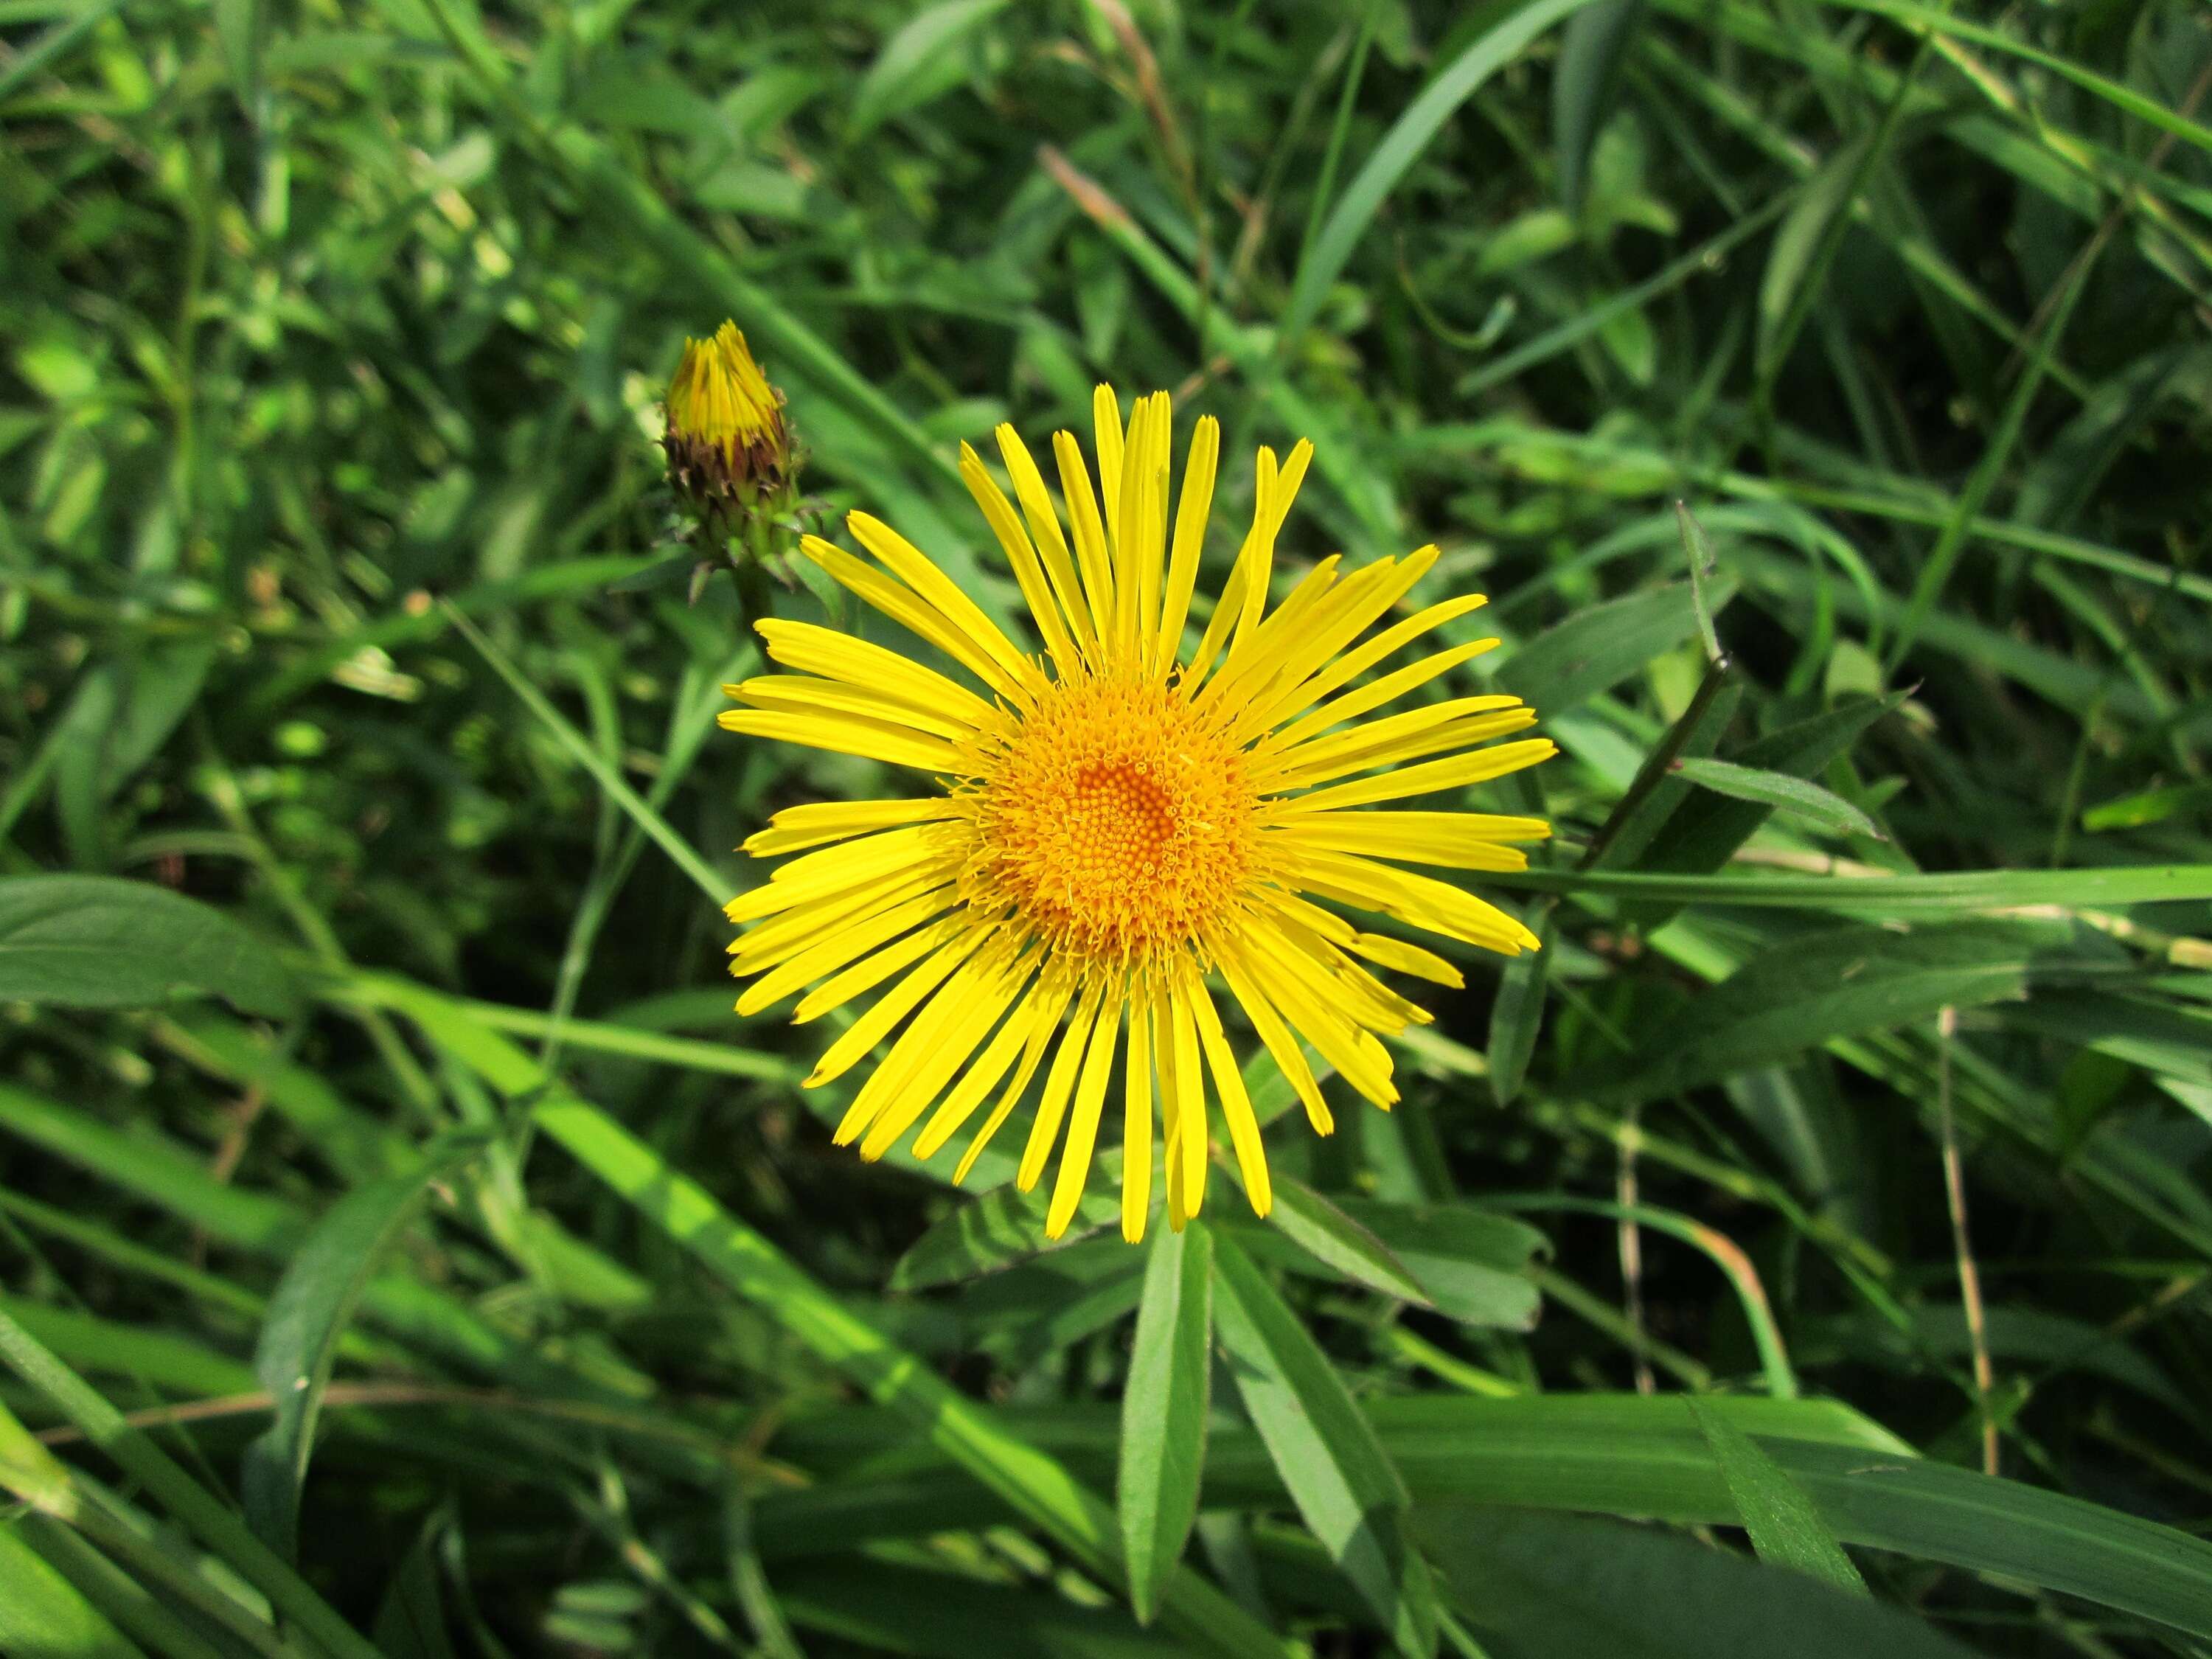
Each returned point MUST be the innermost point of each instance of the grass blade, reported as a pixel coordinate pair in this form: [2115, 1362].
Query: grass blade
[1411, 134]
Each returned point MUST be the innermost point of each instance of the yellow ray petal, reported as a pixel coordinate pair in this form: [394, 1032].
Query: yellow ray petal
[1426, 903]
[894, 1005]
[1290, 1058]
[847, 734]
[1236, 1105]
[1280, 969]
[1152, 550]
[1022, 556]
[1251, 566]
[1059, 1084]
[1106, 428]
[1137, 1117]
[1445, 737]
[1286, 492]
[1453, 772]
[1256, 658]
[841, 945]
[1083, 1120]
[1356, 661]
[1093, 557]
[1192, 510]
[1396, 953]
[1350, 611]
[1353, 704]
[969, 1016]
[764, 944]
[1171, 1109]
[871, 970]
[1445, 844]
[1042, 1003]
[911, 566]
[834, 870]
[835, 656]
[1045, 1022]
[1051, 545]
[912, 612]
[1459, 724]
[902, 1070]
[801, 693]
[796, 828]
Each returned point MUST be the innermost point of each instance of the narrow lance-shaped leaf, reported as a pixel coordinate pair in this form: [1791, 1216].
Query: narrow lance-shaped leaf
[1163, 1408]
[1327, 1453]
[1561, 1587]
[1785, 1528]
[1585, 85]
[1516, 1017]
[101, 942]
[1795, 796]
[307, 1313]
[1331, 1237]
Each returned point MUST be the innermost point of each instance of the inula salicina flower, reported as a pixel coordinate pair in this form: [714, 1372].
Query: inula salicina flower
[1117, 835]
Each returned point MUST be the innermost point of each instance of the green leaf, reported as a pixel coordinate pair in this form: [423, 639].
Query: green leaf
[1840, 983]
[1327, 1453]
[309, 1310]
[1400, 146]
[906, 1609]
[1473, 1263]
[1339, 1244]
[121, 715]
[1698, 549]
[1585, 84]
[1556, 1588]
[1804, 233]
[1785, 1528]
[168, 1360]
[1516, 1015]
[918, 63]
[1913, 897]
[1778, 789]
[1596, 649]
[978, 1235]
[101, 942]
[42, 1614]
[239, 31]
[1163, 1410]
[1705, 829]
[410, 1622]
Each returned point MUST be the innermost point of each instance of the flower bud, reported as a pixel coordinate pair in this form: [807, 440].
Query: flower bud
[729, 451]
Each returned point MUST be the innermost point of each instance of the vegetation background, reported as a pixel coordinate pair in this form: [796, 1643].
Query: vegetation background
[372, 1088]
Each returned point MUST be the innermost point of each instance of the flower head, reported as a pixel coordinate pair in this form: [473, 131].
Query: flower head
[728, 449]
[1118, 829]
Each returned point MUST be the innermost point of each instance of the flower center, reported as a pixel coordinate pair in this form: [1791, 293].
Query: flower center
[1113, 820]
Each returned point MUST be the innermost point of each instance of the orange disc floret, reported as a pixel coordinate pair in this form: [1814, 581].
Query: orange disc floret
[1114, 821]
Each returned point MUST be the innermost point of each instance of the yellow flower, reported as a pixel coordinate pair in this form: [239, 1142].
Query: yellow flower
[726, 442]
[1112, 831]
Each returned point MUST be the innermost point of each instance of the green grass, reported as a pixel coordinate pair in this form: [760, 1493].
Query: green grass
[1863, 1094]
